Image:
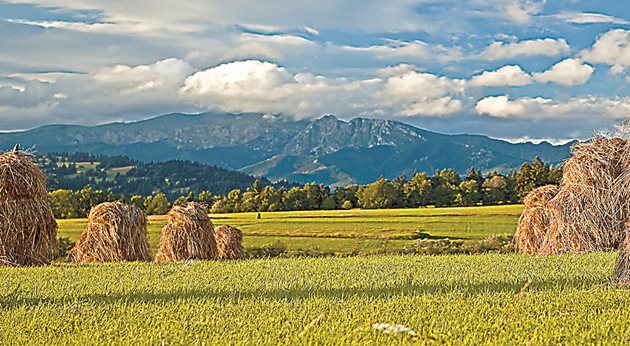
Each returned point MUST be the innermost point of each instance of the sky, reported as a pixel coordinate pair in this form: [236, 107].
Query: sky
[514, 69]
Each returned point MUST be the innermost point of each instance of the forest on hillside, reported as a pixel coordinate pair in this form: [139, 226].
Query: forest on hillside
[80, 181]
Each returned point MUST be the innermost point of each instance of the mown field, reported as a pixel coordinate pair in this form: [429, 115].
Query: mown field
[351, 230]
[459, 299]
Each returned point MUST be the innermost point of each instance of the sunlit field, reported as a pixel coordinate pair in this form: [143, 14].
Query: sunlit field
[460, 299]
[345, 231]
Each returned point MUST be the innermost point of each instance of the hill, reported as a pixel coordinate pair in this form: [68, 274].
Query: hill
[123, 175]
[327, 150]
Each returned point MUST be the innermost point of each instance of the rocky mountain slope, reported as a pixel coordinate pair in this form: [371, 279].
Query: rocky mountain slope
[327, 150]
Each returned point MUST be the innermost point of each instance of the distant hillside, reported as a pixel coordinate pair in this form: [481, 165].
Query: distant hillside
[130, 177]
[327, 150]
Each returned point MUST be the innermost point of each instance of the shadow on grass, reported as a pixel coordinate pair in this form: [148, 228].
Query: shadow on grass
[13, 300]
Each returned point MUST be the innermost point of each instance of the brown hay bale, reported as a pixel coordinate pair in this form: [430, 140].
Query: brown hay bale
[590, 210]
[584, 220]
[534, 222]
[597, 163]
[28, 230]
[230, 243]
[189, 235]
[116, 232]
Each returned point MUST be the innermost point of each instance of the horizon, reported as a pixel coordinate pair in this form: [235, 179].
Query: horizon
[518, 70]
[284, 118]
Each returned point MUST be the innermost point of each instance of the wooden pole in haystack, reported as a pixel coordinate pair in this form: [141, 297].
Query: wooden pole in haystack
[28, 230]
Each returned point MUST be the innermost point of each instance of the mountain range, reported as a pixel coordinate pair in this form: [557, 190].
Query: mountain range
[327, 150]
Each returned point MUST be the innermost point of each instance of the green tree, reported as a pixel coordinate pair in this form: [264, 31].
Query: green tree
[378, 195]
[416, 191]
[495, 190]
[63, 204]
[444, 187]
[469, 193]
[137, 201]
[157, 205]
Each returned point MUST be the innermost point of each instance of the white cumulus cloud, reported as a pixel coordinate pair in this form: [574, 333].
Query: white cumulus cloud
[510, 75]
[544, 47]
[259, 86]
[611, 48]
[567, 72]
[575, 108]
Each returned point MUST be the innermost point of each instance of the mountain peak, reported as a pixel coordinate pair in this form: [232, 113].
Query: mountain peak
[328, 150]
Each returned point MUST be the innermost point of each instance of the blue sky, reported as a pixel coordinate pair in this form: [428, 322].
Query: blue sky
[513, 69]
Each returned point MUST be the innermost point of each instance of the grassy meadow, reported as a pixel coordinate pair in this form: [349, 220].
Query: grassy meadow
[459, 299]
[348, 230]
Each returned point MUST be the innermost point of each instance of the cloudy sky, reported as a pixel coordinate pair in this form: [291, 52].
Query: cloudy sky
[513, 69]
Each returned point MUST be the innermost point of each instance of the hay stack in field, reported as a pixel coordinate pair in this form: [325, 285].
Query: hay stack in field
[28, 230]
[116, 232]
[534, 222]
[230, 243]
[592, 207]
[189, 235]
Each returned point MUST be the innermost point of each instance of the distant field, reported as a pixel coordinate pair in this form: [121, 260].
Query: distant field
[467, 299]
[344, 231]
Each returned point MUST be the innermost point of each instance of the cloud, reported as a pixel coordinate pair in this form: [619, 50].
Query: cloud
[589, 18]
[611, 48]
[107, 94]
[266, 46]
[510, 75]
[545, 47]
[520, 11]
[259, 86]
[568, 72]
[198, 16]
[409, 50]
[583, 107]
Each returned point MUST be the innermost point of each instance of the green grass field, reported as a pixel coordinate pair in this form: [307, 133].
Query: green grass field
[345, 231]
[464, 299]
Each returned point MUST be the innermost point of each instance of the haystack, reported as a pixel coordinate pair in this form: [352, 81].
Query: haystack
[116, 232]
[534, 222]
[28, 230]
[590, 211]
[230, 243]
[189, 235]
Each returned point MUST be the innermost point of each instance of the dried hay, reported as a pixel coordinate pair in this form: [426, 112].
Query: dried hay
[230, 243]
[28, 230]
[592, 207]
[189, 235]
[116, 232]
[534, 222]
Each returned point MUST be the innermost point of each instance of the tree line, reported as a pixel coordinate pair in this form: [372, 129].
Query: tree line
[444, 188]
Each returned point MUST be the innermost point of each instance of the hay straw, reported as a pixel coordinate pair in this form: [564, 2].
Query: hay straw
[28, 230]
[115, 233]
[230, 243]
[534, 222]
[189, 235]
[590, 211]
